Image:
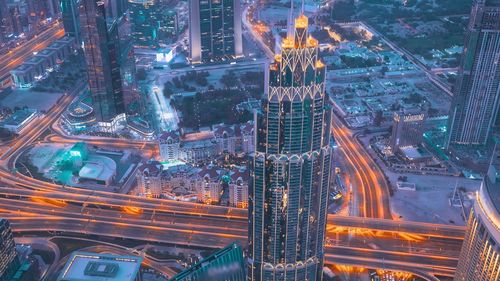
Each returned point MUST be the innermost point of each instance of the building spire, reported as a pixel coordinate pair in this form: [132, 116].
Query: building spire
[289, 33]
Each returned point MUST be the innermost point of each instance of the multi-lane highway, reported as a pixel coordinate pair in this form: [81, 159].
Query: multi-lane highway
[18, 55]
[394, 243]
[372, 190]
[34, 211]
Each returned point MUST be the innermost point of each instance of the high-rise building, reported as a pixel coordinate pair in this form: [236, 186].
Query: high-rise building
[71, 19]
[480, 255]
[476, 101]
[169, 24]
[145, 25]
[226, 264]
[407, 129]
[288, 196]
[9, 262]
[101, 48]
[214, 29]
[5, 21]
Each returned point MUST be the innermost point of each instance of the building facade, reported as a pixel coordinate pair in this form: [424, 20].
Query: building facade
[476, 100]
[226, 264]
[407, 129]
[9, 262]
[101, 48]
[149, 179]
[214, 30]
[288, 196]
[480, 255]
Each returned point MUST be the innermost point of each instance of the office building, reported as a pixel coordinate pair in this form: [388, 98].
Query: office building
[83, 266]
[226, 264]
[407, 129]
[101, 48]
[71, 19]
[170, 24]
[476, 100]
[480, 255]
[145, 23]
[9, 262]
[288, 197]
[214, 30]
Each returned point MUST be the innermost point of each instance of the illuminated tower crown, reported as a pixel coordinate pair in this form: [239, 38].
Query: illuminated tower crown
[297, 72]
[288, 196]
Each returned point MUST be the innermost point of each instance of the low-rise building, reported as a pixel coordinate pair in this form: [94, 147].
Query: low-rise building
[84, 266]
[407, 129]
[18, 121]
[140, 127]
[23, 76]
[208, 185]
[200, 147]
[169, 144]
[238, 188]
[227, 138]
[149, 179]
[99, 169]
[78, 117]
[37, 67]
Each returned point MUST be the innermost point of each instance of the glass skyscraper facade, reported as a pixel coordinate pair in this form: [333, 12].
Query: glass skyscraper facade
[101, 48]
[226, 264]
[214, 29]
[291, 168]
[480, 255]
[9, 261]
[71, 19]
[474, 111]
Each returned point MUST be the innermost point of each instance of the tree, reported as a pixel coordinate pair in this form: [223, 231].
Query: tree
[229, 79]
[141, 74]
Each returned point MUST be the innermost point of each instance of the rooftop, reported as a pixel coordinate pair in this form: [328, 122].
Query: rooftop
[19, 117]
[205, 135]
[83, 266]
[99, 168]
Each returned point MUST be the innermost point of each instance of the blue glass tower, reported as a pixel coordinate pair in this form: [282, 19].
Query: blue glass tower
[288, 197]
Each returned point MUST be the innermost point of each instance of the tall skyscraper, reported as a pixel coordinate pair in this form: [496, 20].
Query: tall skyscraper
[101, 48]
[214, 29]
[288, 196]
[480, 255]
[71, 19]
[474, 109]
[145, 22]
[9, 261]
